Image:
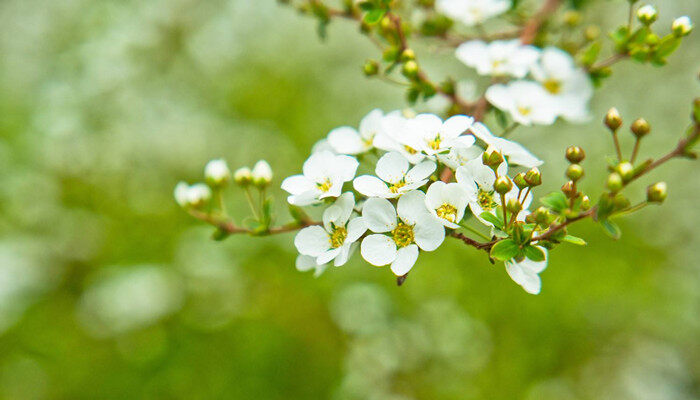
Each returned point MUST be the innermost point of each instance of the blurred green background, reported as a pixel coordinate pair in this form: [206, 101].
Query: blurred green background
[109, 291]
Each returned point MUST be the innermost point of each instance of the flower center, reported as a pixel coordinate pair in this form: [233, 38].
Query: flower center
[553, 86]
[324, 186]
[485, 200]
[435, 143]
[394, 188]
[338, 236]
[447, 211]
[524, 110]
[403, 235]
[410, 150]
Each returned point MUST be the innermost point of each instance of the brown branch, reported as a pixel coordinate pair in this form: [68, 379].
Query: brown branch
[533, 25]
[614, 59]
[231, 228]
[471, 242]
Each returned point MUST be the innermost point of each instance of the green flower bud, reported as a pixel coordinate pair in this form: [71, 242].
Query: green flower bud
[502, 185]
[585, 203]
[520, 182]
[568, 189]
[262, 174]
[492, 158]
[657, 192]
[640, 127]
[613, 120]
[513, 206]
[243, 176]
[542, 216]
[370, 68]
[620, 202]
[647, 14]
[682, 26]
[572, 18]
[575, 154]
[626, 171]
[614, 182]
[408, 55]
[410, 69]
[533, 177]
[591, 33]
[574, 172]
[217, 173]
[390, 54]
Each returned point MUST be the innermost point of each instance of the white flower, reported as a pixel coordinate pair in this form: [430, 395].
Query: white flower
[447, 202]
[322, 145]
[478, 179]
[217, 172]
[515, 152]
[192, 195]
[307, 263]
[472, 12]
[433, 136]
[568, 85]
[458, 156]
[347, 140]
[243, 176]
[682, 26]
[526, 101]
[397, 240]
[647, 14]
[262, 173]
[334, 239]
[525, 272]
[323, 176]
[395, 178]
[498, 58]
[396, 136]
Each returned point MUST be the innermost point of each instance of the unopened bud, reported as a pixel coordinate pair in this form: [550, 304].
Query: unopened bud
[657, 192]
[217, 173]
[542, 215]
[195, 196]
[585, 203]
[492, 158]
[569, 189]
[370, 68]
[620, 202]
[613, 120]
[502, 185]
[574, 172]
[614, 182]
[513, 206]
[243, 176]
[626, 170]
[575, 154]
[572, 18]
[591, 33]
[408, 55]
[410, 69]
[682, 26]
[647, 14]
[261, 174]
[640, 127]
[520, 182]
[533, 177]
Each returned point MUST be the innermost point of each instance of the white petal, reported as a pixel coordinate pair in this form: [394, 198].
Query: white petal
[371, 186]
[312, 241]
[421, 171]
[346, 203]
[346, 140]
[297, 184]
[434, 196]
[529, 281]
[331, 215]
[305, 263]
[428, 233]
[470, 52]
[411, 207]
[327, 256]
[318, 167]
[378, 249]
[456, 125]
[371, 124]
[379, 215]
[304, 199]
[392, 167]
[344, 167]
[405, 259]
[343, 256]
[356, 228]
[500, 97]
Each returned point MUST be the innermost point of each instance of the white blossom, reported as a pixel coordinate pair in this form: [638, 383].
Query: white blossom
[433, 136]
[192, 195]
[472, 12]
[498, 58]
[397, 136]
[447, 202]
[323, 176]
[525, 272]
[348, 140]
[333, 240]
[515, 152]
[568, 86]
[458, 156]
[307, 263]
[261, 173]
[527, 102]
[217, 171]
[394, 178]
[400, 232]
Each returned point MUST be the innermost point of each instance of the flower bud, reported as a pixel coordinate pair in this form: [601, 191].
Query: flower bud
[370, 68]
[626, 170]
[533, 177]
[262, 174]
[410, 69]
[682, 26]
[502, 185]
[647, 14]
[572, 18]
[614, 182]
[613, 120]
[492, 158]
[657, 192]
[575, 154]
[198, 195]
[408, 55]
[542, 216]
[181, 194]
[640, 127]
[513, 206]
[520, 182]
[568, 189]
[585, 203]
[591, 33]
[620, 202]
[217, 173]
[574, 172]
[243, 176]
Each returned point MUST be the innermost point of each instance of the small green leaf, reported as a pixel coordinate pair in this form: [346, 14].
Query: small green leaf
[590, 55]
[496, 221]
[574, 240]
[374, 16]
[611, 228]
[555, 200]
[504, 250]
[220, 234]
[534, 253]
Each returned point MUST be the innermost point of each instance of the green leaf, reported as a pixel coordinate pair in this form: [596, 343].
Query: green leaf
[555, 200]
[374, 16]
[611, 228]
[574, 240]
[220, 234]
[590, 55]
[496, 221]
[534, 253]
[668, 45]
[504, 250]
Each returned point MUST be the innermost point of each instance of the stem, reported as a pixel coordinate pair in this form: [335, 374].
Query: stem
[617, 146]
[527, 35]
[230, 227]
[472, 242]
[505, 212]
[635, 150]
[509, 129]
[614, 59]
[251, 203]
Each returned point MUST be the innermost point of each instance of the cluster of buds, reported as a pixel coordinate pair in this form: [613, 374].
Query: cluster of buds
[260, 176]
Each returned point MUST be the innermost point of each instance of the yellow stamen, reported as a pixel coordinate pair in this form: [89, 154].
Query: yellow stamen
[324, 186]
[403, 235]
[338, 236]
[485, 200]
[447, 211]
[552, 85]
[524, 110]
[394, 188]
[410, 150]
